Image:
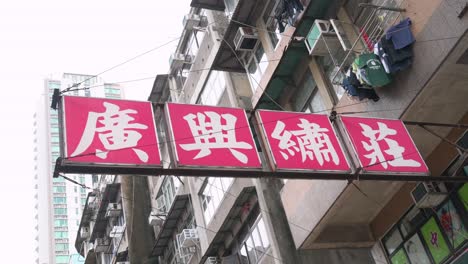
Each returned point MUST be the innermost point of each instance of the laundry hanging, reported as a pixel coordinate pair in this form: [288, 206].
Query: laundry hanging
[372, 70]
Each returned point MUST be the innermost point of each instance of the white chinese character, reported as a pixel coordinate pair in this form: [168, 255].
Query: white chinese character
[114, 131]
[312, 141]
[211, 130]
[394, 150]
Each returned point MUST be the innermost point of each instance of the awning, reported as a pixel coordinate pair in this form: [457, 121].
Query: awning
[296, 51]
[231, 218]
[109, 195]
[209, 4]
[170, 224]
[226, 59]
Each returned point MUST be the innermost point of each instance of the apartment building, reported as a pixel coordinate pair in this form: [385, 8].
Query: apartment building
[298, 56]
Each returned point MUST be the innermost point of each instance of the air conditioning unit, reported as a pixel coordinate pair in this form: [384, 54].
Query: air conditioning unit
[188, 238]
[116, 231]
[178, 60]
[428, 195]
[156, 218]
[246, 38]
[101, 245]
[322, 39]
[192, 21]
[113, 210]
[213, 260]
[85, 232]
[189, 59]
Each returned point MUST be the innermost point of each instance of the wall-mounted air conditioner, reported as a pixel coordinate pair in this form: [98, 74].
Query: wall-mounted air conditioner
[428, 195]
[213, 260]
[322, 39]
[84, 232]
[156, 218]
[193, 21]
[101, 245]
[113, 210]
[178, 60]
[116, 231]
[188, 238]
[246, 38]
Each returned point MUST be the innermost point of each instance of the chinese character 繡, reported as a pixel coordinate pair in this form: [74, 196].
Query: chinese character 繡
[114, 130]
[211, 130]
[376, 154]
[312, 141]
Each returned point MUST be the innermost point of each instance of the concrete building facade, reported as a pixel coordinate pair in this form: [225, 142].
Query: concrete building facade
[240, 220]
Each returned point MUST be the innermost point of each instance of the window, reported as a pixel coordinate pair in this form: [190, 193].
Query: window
[60, 211]
[256, 66]
[111, 90]
[61, 259]
[60, 222]
[307, 97]
[230, 6]
[59, 189]
[214, 88]
[428, 236]
[60, 200]
[255, 244]
[195, 41]
[330, 70]
[61, 234]
[212, 195]
[271, 22]
[55, 148]
[61, 247]
[59, 179]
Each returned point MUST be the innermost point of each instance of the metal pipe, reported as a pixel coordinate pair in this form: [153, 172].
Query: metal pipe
[444, 139]
[252, 173]
[416, 123]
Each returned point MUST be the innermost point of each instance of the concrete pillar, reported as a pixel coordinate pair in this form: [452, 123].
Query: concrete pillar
[274, 216]
[136, 206]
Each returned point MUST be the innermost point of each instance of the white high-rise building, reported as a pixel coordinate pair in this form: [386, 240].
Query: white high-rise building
[59, 203]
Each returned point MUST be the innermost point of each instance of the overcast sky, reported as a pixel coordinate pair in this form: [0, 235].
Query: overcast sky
[38, 38]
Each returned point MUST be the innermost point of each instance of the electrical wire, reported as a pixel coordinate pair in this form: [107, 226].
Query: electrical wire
[120, 64]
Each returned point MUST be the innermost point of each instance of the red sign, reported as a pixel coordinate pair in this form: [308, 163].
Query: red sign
[300, 141]
[384, 145]
[211, 136]
[106, 131]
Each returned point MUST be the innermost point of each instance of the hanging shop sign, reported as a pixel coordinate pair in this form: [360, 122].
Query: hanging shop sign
[104, 132]
[111, 136]
[383, 146]
[211, 137]
[301, 141]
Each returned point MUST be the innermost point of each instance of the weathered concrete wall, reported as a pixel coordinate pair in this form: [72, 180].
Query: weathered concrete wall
[337, 256]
